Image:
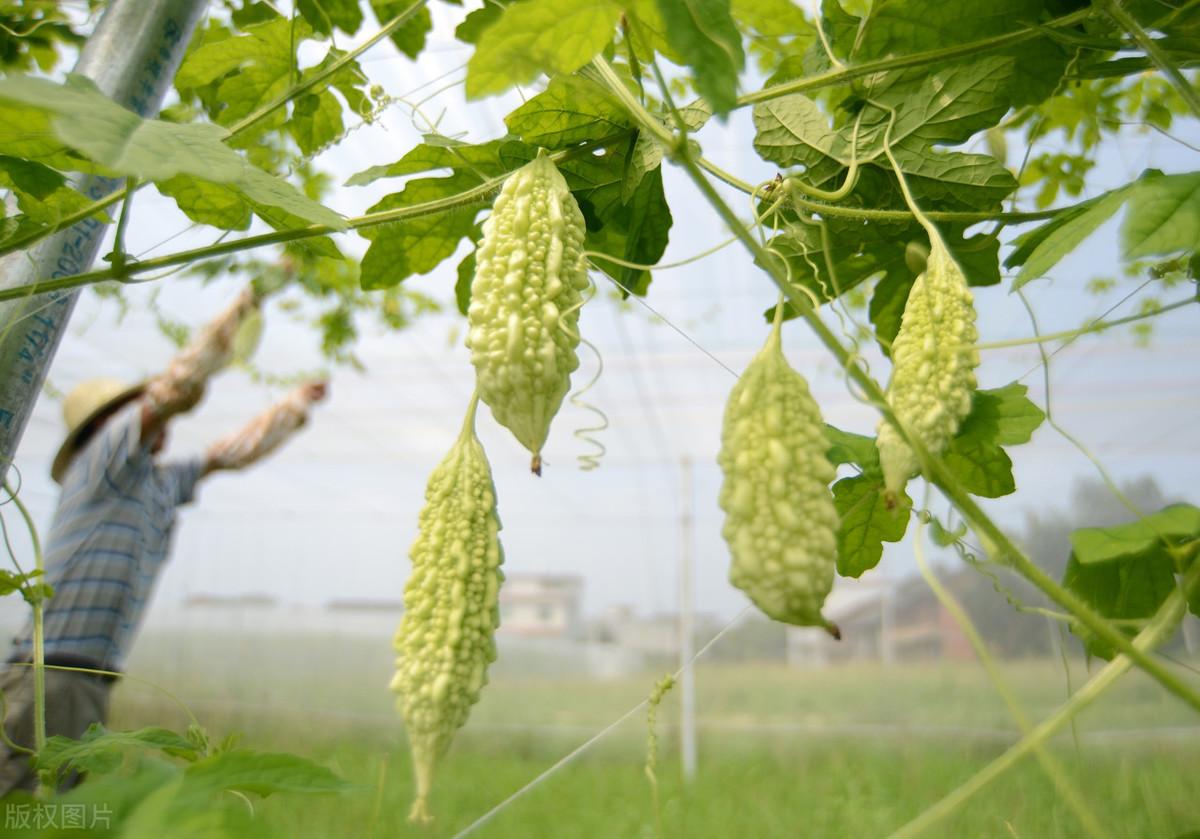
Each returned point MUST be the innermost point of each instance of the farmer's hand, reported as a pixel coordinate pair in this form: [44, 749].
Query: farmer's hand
[315, 391]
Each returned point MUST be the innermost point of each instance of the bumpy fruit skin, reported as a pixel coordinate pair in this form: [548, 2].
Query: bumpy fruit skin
[451, 608]
[525, 299]
[780, 521]
[933, 366]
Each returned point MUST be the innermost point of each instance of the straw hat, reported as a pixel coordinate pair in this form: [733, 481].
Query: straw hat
[83, 405]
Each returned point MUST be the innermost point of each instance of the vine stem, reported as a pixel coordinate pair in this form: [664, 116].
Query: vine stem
[1126, 21]
[235, 129]
[39, 632]
[1097, 326]
[920, 59]
[933, 468]
[1159, 629]
[1050, 765]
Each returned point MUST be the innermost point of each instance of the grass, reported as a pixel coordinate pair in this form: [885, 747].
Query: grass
[848, 751]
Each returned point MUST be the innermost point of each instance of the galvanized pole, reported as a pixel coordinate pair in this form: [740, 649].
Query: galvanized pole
[687, 631]
[132, 57]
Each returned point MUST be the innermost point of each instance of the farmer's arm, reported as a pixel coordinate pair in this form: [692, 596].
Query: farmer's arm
[178, 388]
[266, 432]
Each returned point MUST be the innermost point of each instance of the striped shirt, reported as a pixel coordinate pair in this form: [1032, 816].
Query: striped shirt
[109, 539]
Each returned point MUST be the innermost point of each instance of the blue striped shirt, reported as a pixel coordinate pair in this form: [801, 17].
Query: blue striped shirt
[109, 539]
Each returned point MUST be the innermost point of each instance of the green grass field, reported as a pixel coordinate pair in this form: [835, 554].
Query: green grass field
[849, 751]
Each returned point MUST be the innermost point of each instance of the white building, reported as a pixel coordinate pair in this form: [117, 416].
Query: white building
[541, 606]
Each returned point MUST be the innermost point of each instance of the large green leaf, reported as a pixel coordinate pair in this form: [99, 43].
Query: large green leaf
[1174, 524]
[324, 15]
[568, 111]
[1125, 572]
[42, 193]
[847, 447]
[975, 457]
[410, 37]
[417, 245]
[704, 33]
[865, 522]
[99, 750]
[485, 160]
[1039, 250]
[85, 119]
[539, 36]
[1163, 215]
[904, 27]
[261, 773]
[636, 231]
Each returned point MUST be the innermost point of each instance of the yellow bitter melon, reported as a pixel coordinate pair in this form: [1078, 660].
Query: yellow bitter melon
[780, 520]
[445, 639]
[525, 299]
[933, 366]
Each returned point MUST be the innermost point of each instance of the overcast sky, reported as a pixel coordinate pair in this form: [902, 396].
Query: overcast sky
[333, 515]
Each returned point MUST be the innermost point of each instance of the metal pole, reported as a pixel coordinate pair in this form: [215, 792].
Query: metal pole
[132, 57]
[687, 679]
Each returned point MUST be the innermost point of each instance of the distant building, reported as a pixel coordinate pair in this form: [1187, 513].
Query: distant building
[655, 635]
[541, 606]
[881, 620]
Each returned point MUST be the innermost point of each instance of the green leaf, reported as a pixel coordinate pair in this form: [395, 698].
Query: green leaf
[1163, 215]
[485, 160]
[570, 110]
[954, 180]
[555, 37]
[1125, 590]
[647, 153]
[1175, 524]
[1001, 416]
[262, 773]
[410, 37]
[316, 122]
[152, 150]
[979, 464]
[1042, 248]
[635, 231]
[948, 106]
[704, 33]
[794, 131]
[462, 285]
[904, 27]
[847, 447]
[417, 245]
[208, 203]
[1127, 570]
[11, 581]
[1015, 415]
[323, 15]
[865, 522]
[99, 750]
[42, 193]
[472, 27]
[888, 299]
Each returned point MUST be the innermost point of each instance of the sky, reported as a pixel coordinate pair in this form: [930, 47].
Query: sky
[332, 515]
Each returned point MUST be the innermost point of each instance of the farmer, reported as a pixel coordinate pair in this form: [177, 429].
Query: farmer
[112, 530]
